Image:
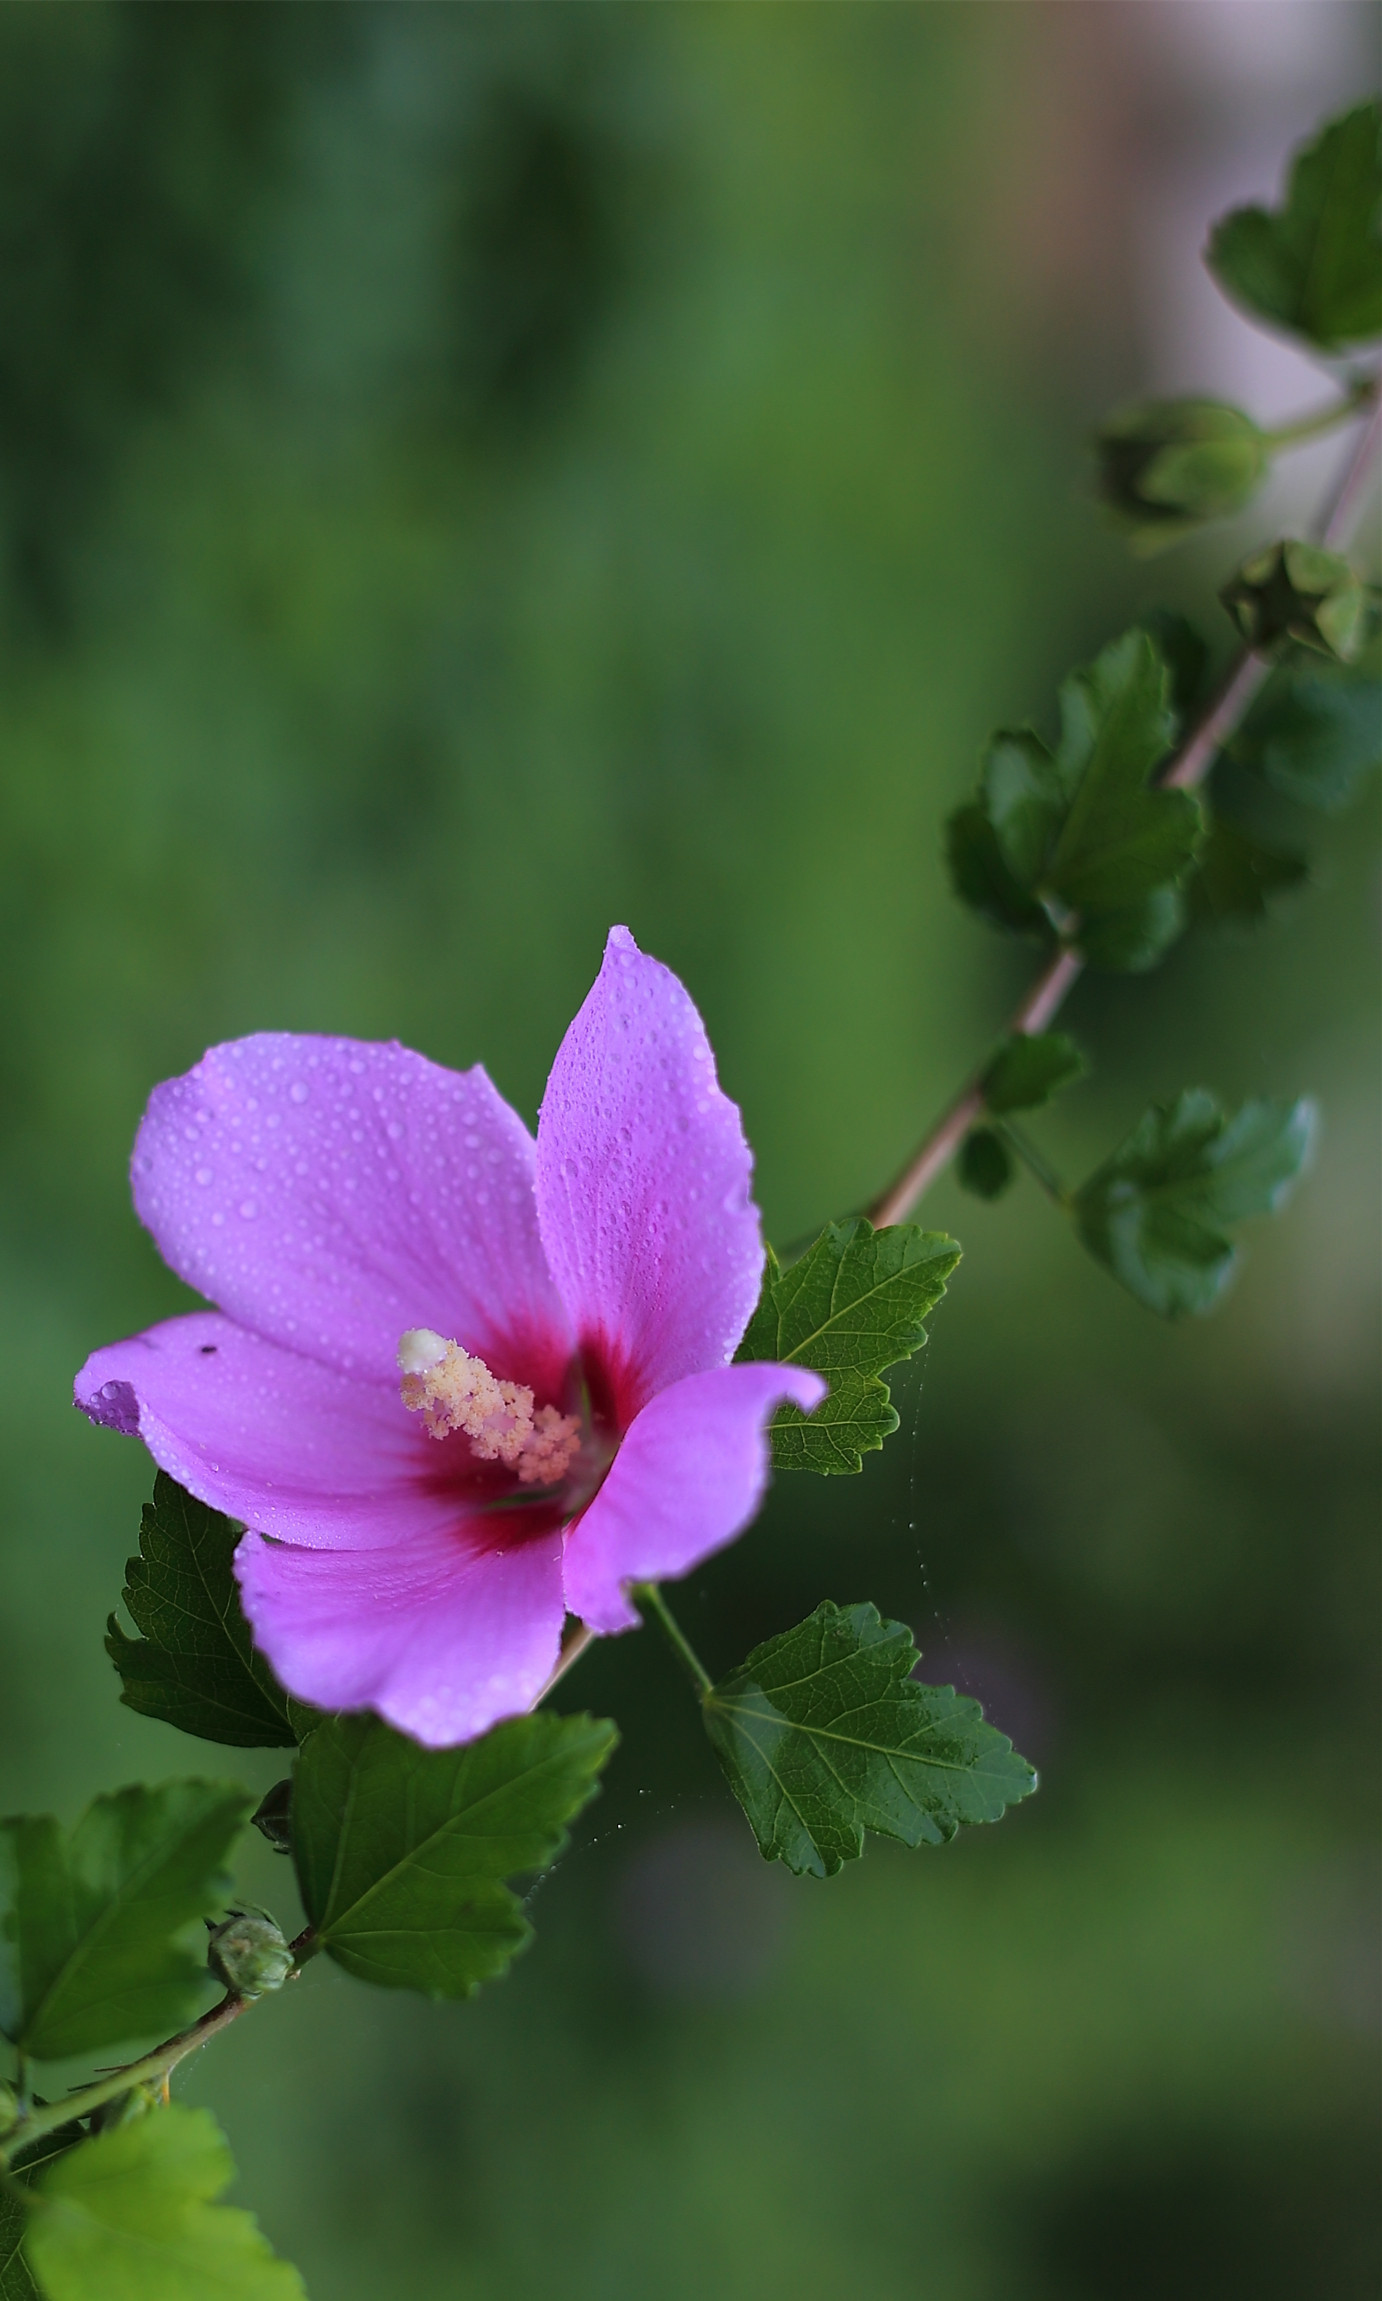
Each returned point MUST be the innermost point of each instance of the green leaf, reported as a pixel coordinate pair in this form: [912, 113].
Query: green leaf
[402, 1852]
[1077, 840]
[985, 1165]
[1156, 1211]
[1120, 840]
[1130, 940]
[1313, 734]
[16, 2277]
[1238, 878]
[89, 1924]
[823, 1733]
[853, 1306]
[981, 878]
[1314, 266]
[196, 1666]
[131, 2216]
[1029, 1068]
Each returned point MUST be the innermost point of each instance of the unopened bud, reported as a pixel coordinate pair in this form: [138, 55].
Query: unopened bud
[273, 1817]
[1167, 465]
[1295, 591]
[249, 1954]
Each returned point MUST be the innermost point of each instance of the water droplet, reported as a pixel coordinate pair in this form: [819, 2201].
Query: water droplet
[297, 1091]
[248, 1209]
[204, 1175]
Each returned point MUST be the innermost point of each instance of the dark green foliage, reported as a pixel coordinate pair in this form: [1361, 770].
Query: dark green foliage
[195, 1665]
[1186, 657]
[131, 2216]
[1237, 878]
[16, 2277]
[1077, 833]
[1167, 466]
[1029, 1068]
[985, 1165]
[91, 1952]
[1294, 593]
[823, 1733]
[981, 877]
[402, 1853]
[850, 1308]
[1313, 267]
[1156, 1211]
[1313, 733]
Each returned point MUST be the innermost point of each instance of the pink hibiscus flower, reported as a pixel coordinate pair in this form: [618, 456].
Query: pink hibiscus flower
[459, 1383]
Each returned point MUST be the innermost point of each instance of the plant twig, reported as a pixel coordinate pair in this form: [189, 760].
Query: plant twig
[1185, 770]
[150, 2067]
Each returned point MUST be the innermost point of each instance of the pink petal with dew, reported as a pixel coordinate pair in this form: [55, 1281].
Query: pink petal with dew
[280, 1442]
[332, 1193]
[689, 1477]
[440, 1640]
[643, 1181]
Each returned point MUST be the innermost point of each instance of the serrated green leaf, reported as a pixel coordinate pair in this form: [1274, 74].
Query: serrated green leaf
[1185, 655]
[1079, 838]
[1130, 940]
[823, 1733]
[1238, 878]
[1314, 265]
[1028, 792]
[1029, 1068]
[131, 2216]
[1313, 734]
[16, 2277]
[90, 1953]
[981, 878]
[985, 1165]
[402, 1853]
[853, 1306]
[1121, 840]
[1156, 1211]
[196, 1666]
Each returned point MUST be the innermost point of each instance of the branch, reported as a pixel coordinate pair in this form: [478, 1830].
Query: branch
[1186, 769]
[150, 2066]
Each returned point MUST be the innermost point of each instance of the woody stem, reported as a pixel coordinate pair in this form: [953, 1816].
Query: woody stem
[1187, 768]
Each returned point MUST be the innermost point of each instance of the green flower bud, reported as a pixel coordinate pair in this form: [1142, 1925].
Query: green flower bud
[1167, 465]
[1296, 592]
[249, 1954]
[273, 1817]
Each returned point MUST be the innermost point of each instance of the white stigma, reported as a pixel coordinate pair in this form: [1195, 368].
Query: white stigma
[453, 1391]
[420, 1350]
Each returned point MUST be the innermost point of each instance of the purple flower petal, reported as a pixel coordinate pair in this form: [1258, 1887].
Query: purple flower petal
[643, 1182]
[688, 1478]
[332, 1193]
[278, 1441]
[440, 1640]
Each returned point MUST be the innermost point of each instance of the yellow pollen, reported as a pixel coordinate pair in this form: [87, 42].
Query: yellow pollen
[453, 1391]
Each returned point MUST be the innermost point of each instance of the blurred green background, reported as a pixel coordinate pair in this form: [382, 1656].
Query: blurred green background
[471, 474]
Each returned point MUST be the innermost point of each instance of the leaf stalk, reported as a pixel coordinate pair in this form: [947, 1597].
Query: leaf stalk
[652, 1605]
